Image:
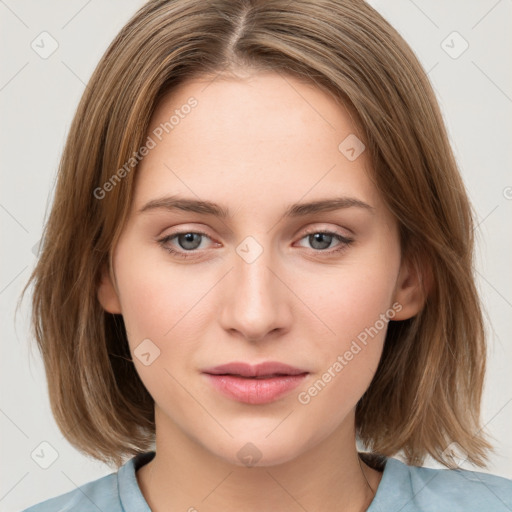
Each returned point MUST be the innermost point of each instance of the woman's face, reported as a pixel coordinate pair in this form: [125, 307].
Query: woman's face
[256, 285]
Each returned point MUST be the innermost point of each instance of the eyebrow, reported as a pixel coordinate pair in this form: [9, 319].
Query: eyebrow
[171, 203]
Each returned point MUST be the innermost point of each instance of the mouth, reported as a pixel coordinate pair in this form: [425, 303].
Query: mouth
[255, 384]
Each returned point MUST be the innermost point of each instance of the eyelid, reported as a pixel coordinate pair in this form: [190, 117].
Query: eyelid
[330, 231]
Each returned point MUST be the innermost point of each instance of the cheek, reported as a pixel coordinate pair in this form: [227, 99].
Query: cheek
[357, 316]
[162, 313]
[163, 310]
[352, 297]
[356, 306]
[157, 297]
[346, 364]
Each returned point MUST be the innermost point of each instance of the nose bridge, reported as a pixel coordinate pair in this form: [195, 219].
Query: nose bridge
[256, 304]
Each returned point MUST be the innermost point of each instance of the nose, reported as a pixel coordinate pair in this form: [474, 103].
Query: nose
[256, 301]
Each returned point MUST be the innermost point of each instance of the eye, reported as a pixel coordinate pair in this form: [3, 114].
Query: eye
[321, 240]
[188, 242]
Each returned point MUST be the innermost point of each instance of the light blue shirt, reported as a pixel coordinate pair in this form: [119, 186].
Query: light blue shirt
[402, 489]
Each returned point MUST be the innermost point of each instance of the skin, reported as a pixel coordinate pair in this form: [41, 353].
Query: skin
[255, 144]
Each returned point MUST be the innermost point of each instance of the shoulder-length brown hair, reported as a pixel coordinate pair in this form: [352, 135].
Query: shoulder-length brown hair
[427, 389]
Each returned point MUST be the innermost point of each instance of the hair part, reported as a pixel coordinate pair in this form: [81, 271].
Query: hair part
[427, 389]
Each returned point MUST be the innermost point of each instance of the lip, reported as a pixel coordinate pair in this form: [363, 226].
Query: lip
[255, 384]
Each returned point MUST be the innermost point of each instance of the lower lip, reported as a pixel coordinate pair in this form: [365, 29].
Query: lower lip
[255, 391]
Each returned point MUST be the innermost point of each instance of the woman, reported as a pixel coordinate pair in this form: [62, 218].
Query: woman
[260, 254]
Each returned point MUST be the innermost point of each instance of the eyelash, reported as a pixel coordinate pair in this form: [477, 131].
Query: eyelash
[344, 242]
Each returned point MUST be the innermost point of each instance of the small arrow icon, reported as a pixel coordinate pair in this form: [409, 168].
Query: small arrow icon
[44, 455]
[454, 45]
[146, 352]
[249, 454]
[44, 44]
[249, 249]
[351, 147]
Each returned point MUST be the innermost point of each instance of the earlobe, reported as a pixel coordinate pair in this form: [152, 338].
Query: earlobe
[107, 294]
[412, 288]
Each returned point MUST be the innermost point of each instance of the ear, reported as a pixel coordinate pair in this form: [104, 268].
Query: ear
[107, 294]
[412, 287]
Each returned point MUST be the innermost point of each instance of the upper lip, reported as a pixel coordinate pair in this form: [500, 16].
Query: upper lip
[271, 368]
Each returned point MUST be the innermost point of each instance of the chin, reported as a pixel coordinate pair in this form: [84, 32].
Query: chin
[260, 450]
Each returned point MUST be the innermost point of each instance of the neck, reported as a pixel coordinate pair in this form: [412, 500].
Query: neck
[183, 475]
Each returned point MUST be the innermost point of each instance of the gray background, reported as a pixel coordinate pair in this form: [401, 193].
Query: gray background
[38, 97]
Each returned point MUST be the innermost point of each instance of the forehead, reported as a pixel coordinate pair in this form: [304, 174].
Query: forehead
[270, 107]
[261, 137]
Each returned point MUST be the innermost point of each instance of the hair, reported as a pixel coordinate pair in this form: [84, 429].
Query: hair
[427, 388]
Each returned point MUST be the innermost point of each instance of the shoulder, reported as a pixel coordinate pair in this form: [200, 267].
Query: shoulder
[116, 492]
[100, 494]
[418, 488]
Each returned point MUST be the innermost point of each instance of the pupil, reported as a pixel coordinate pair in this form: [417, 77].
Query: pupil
[189, 239]
[319, 238]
